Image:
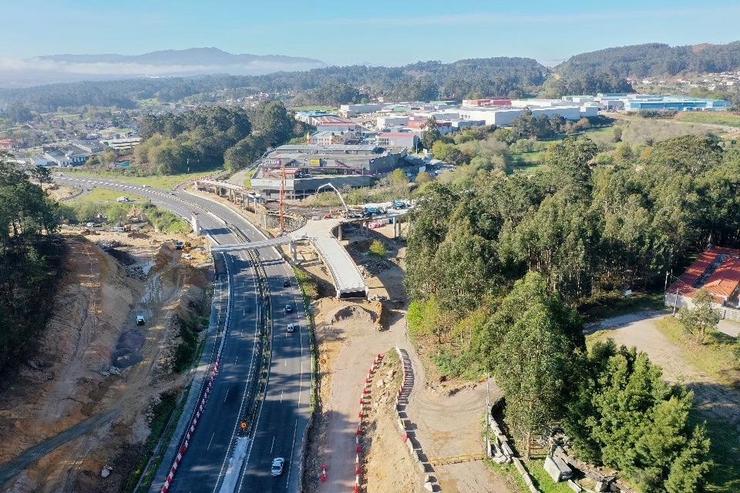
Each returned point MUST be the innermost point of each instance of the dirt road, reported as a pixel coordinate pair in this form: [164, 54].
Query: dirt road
[641, 331]
[446, 425]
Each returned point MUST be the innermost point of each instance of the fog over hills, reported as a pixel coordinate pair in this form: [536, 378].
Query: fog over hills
[194, 61]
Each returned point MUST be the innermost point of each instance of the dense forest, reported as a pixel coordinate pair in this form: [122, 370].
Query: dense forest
[653, 59]
[499, 264]
[29, 259]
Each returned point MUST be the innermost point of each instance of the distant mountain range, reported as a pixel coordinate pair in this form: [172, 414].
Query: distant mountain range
[188, 62]
[190, 56]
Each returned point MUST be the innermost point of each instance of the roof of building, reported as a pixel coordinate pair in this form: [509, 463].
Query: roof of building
[716, 270]
[332, 120]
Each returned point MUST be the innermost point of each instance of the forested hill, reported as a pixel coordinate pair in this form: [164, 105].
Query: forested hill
[653, 59]
[329, 85]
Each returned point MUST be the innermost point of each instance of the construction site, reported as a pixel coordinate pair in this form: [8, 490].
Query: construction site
[85, 413]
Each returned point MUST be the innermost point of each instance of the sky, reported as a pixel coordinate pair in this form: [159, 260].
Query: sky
[387, 32]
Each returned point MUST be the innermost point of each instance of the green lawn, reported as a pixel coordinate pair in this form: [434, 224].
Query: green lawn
[527, 161]
[718, 357]
[714, 118]
[164, 182]
[725, 475]
[509, 473]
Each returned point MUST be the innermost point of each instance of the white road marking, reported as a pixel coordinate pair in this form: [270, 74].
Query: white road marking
[281, 396]
[273, 444]
[227, 394]
[210, 441]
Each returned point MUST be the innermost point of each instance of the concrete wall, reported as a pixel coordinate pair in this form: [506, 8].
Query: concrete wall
[725, 312]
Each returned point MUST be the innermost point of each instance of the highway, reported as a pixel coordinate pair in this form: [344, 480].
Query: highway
[221, 457]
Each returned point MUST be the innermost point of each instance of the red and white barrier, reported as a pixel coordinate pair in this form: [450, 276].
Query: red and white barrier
[193, 423]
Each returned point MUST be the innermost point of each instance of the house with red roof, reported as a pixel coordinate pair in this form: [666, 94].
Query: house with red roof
[716, 271]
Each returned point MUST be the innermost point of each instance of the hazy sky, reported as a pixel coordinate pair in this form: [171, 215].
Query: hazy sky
[357, 31]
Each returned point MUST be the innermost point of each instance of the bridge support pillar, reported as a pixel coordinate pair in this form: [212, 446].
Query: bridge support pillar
[195, 225]
[339, 232]
[293, 251]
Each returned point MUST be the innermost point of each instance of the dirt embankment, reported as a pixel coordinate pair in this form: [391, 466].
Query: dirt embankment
[94, 364]
[389, 465]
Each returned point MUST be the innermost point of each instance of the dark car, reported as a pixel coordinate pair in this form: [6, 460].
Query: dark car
[289, 308]
[286, 283]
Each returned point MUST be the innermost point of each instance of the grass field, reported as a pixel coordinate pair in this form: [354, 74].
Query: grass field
[724, 477]
[718, 357]
[714, 118]
[527, 161]
[163, 182]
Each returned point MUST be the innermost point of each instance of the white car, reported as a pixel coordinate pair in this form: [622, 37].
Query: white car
[292, 328]
[277, 466]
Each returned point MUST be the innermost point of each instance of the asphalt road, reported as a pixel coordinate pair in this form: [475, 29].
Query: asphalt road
[282, 420]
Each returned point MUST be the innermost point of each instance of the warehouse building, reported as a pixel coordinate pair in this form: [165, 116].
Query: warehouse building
[667, 103]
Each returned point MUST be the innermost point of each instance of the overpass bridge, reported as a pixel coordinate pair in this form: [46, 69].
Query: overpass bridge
[319, 233]
[346, 275]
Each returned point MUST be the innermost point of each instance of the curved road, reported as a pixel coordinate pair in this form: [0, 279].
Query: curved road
[218, 460]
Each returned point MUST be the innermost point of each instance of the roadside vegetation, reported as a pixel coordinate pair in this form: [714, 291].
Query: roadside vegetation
[713, 118]
[159, 417]
[101, 206]
[161, 182]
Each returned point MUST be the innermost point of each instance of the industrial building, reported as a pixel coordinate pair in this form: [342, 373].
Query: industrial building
[503, 116]
[348, 110]
[408, 140]
[668, 103]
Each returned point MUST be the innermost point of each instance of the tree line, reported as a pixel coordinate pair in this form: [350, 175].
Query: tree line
[211, 136]
[30, 257]
[652, 59]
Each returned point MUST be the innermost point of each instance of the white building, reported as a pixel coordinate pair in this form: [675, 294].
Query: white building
[506, 116]
[125, 144]
[348, 110]
[390, 121]
[406, 140]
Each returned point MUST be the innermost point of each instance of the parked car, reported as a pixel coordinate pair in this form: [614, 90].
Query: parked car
[140, 320]
[292, 328]
[286, 283]
[289, 308]
[277, 466]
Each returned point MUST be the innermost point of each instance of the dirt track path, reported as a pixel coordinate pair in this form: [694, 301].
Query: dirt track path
[31, 455]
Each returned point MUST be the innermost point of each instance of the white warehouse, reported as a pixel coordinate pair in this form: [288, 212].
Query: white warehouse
[503, 116]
